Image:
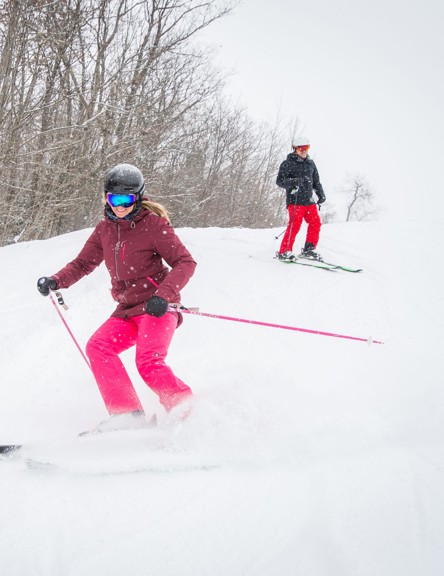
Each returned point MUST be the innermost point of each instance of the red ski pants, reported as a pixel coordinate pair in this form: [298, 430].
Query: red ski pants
[152, 337]
[295, 216]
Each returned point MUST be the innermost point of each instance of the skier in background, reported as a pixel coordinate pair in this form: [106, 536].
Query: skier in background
[299, 176]
[133, 239]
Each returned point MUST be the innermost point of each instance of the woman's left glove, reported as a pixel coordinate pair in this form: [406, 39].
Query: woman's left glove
[156, 306]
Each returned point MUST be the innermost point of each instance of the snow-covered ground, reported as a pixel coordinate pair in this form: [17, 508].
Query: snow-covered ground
[322, 456]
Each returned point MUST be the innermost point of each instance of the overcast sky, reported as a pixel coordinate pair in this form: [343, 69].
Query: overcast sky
[364, 78]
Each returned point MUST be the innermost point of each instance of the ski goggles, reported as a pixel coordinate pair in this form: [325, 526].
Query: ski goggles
[304, 148]
[124, 200]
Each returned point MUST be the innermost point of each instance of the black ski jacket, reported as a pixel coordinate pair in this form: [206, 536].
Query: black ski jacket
[300, 177]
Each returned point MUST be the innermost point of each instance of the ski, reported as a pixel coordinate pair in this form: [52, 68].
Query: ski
[344, 268]
[313, 264]
[6, 449]
[119, 452]
[321, 264]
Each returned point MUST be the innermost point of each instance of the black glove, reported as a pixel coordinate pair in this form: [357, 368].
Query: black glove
[156, 306]
[293, 196]
[45, 284]
[292, 182]
[321, 200]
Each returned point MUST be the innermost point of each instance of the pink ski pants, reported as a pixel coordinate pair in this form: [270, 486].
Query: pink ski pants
[295, 216]
[152, 337]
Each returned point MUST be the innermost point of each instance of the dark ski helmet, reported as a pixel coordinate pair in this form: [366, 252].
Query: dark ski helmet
[124, 179]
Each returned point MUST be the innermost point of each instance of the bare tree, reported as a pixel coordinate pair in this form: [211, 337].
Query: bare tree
[225, 174]
[360, 203]
[328, 215]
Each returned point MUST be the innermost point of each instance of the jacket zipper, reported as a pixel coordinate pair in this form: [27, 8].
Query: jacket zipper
[116, 250]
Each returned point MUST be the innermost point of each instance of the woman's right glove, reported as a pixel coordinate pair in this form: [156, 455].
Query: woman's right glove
[45, 284]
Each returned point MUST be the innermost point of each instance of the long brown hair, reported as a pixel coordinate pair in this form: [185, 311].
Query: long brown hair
[156, 208]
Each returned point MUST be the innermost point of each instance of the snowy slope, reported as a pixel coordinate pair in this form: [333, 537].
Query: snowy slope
[329, 451]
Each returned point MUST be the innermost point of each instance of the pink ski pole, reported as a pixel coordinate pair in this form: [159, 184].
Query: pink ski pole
[282, 326]
[62, 303]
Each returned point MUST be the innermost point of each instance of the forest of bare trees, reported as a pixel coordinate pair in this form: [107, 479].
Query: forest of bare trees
[86, 84]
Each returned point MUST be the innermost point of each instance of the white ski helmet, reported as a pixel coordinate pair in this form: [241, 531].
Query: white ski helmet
[300, 141]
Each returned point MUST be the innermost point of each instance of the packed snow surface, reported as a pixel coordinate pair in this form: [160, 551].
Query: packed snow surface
[304, 455]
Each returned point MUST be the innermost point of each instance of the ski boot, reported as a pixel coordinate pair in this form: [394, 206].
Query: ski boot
[286, 257]
[309, 252]
[134, 420]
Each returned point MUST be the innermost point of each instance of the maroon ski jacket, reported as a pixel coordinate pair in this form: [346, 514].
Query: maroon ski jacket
[133, 252]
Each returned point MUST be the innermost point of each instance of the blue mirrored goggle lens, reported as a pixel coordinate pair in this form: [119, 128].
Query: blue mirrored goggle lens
[124, 200]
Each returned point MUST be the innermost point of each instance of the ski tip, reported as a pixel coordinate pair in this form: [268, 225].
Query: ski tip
[9, 448]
